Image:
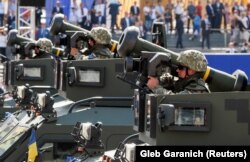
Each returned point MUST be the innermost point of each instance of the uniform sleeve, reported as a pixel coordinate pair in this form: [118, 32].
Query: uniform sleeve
[160, 90]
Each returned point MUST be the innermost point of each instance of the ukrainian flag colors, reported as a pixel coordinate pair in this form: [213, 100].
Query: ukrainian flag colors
[32, 152]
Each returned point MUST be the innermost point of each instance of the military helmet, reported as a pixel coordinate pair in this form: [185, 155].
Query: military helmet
[193, 59]
[44, 44]
[101, 35]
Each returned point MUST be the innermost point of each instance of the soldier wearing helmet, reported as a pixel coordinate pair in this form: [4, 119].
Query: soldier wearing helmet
[98, 44]
[43, 48]
[192, 64]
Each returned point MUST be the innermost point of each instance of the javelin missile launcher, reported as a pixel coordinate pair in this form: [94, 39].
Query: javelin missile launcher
[212, 119]
[217, 80]
[58, 25]
[26, 45]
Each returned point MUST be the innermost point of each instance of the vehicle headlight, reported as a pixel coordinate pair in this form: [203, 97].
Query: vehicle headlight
[41, 99]
[21, 92]
[86, 130]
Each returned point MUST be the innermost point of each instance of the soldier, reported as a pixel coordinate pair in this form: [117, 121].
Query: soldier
[99, 42]
[43, 48]
[192, 64]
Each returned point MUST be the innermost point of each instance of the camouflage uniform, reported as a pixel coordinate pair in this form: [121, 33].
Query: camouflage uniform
[45, 48]
[194, 60]
[102, 38]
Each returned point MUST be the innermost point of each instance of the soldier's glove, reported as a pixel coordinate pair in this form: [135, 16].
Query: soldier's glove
[167, 81]
[85, 51]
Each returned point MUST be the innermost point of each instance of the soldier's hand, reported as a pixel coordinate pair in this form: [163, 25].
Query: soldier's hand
[153, 82]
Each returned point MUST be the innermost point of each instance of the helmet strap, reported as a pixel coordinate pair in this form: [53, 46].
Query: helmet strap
[187, 75]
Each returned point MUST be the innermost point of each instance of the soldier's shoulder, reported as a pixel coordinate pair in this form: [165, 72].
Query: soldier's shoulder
[198, 85]
[103, 52]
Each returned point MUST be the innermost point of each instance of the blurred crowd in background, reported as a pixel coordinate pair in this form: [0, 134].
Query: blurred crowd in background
[232, 16]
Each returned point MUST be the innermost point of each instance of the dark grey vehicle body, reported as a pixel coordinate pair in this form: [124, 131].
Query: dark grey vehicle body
[77, 99]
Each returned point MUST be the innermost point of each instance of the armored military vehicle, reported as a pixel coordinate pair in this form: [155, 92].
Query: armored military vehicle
[216, 118]
[81, 90]
[38, 74]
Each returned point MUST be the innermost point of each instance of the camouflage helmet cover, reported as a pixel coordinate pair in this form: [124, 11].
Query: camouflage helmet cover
[193, 59]
[45, 45]
[101, 35]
